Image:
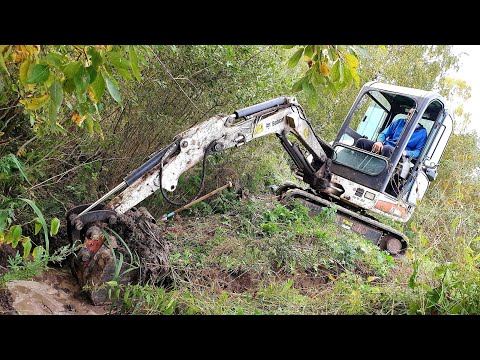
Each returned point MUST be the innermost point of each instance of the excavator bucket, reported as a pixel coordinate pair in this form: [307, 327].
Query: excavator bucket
[117, 249]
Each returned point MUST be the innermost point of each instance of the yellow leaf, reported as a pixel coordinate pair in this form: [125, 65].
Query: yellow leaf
[20, 53]
[49, 81]
[372, 278]
[324, 69]
[77, 119]
[35, 103]
[330, 276]
[352, 60]
[91, 94]
[33, 49]
[24, 71]
[22, 151]
[2, 239]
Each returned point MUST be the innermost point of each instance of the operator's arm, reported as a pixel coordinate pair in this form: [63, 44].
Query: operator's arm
[422, 138]
[387, 132]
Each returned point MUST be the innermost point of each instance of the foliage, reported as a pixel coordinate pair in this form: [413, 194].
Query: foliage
[12, 234]
[21, 268]
[59, 84]
[330, 67]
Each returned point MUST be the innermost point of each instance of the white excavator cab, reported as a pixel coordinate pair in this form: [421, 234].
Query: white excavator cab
[394, 185]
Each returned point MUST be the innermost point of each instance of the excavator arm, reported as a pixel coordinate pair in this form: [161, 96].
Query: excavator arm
[279, 116]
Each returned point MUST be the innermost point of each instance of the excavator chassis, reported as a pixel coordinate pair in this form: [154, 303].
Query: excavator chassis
[385, 237]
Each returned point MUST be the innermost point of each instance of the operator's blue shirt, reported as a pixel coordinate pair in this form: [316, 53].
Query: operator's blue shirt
[390, 135]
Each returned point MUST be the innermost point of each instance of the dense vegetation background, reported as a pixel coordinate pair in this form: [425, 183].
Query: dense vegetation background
[75, 120]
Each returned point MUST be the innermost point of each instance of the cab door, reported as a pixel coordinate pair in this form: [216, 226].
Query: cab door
[427, 170]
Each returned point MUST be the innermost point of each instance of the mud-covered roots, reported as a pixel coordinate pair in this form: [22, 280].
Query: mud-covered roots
[145, 240]
[133, 251]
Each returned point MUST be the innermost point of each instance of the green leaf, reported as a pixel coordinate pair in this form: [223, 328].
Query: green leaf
[318, 78]
[112, 87]
[54, 226]
[89, 123]
[125, 74]
[295, 58]
[2, 63]
[96, 57]
[311, 94]
[38, 226]
[40, 218]
[341, 71]
[71, 69]
[98, 88]
[309, 51]
[298, 85]
[92, 73]
[37, 73]
[19, 167]
[56, 60]
[456, 309]
[81, 80]
[16, 231]
[118, 61]
[56, 93]
[134, 61]
[69, 86]
[288, 46]
[331, 87]
[287, 285]
[81, 97]
[335, 71]
[27, 246]
[347, 74]
[37, 252]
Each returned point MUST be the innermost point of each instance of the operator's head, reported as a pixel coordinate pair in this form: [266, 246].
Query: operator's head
[410, 113]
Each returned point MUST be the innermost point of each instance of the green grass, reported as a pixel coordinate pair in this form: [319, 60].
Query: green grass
[258, 257]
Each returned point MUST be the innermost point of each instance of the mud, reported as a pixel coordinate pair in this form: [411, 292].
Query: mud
[6, 303]
[54, 292]
[144, 238]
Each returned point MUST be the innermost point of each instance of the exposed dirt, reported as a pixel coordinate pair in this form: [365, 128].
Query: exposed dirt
[6, 303]
[6, 251]
[224, 281]
[308, 284]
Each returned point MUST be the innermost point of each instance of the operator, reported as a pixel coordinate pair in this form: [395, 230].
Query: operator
[387, 139]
